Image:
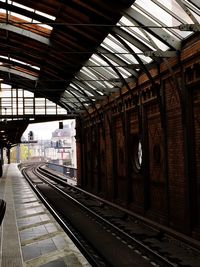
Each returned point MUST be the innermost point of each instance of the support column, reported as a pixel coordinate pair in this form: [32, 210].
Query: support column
[79, 153]
[8, 155]
[188, 159]
[18, 153]
[165, 152]
[1, 161]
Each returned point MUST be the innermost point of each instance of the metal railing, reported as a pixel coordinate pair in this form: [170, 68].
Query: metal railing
[68, 171]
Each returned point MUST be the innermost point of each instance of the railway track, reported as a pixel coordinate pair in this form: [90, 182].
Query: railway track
[106, 234]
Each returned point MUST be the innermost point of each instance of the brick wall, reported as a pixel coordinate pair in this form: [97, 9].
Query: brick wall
[164, 119]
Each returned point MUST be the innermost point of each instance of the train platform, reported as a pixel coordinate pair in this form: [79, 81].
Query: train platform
[29, 235]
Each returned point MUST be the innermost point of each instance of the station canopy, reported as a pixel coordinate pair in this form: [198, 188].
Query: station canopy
[75, 53]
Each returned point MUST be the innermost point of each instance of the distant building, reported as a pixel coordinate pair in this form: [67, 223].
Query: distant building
[73, 144]
[61, 142]
[60, 149]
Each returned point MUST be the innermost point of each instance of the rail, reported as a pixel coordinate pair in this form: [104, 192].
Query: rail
[133, 240]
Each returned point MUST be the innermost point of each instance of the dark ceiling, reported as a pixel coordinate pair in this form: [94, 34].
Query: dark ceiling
[58, 54]
[70, 43]
[76, 52]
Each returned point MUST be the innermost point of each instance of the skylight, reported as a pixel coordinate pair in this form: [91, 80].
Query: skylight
[147, 27]
[167, 18]
[45, 15]
[20, 62]
[88, 73]
[123, 55]
[156, 12]
[28, 19]
[21, 6]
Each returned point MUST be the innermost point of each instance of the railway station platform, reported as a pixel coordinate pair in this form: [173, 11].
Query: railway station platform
[29, 235]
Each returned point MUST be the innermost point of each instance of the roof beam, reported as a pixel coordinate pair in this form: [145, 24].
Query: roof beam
[182, 3]
[112, 56]
[158, 32]
[196, 3]
[84, 86]
[25, 12]
[19, 73]
[143, 46]
[25, 33]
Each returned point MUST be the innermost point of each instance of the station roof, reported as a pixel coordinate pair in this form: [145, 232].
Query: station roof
[77, 52]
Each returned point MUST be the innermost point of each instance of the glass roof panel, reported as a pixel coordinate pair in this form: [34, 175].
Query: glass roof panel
[77, 93]
[42, 25]
[142, 35]
[124, 72]
[196, 16]
[157, 12]
[113, 45]
[196, 3]
[193, 5]
[80, 87]
[177, 10]
[131, 27]
[97, 79]
[124, 56]
[109, 70]
[13, 15]
[108, 84]
[88, 73]
[94, 63]
[19, 61]
[21, 6]
[136, 33]
[3, 11]
[148, 25]
[138, 51]
[73, 85]
[91, 86]
[156, 21]
[148, 16]
[98, 73]
[98, 60]
[102, 73]
[167, 19]
[88, 91]
[20, 16]
[45, 15]
[158, 42]
[105, 77]
[99, 92]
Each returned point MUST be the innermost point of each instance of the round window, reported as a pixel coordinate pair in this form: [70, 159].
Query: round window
[138, 155]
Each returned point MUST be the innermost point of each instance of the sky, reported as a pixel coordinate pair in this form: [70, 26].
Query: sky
[43, 131]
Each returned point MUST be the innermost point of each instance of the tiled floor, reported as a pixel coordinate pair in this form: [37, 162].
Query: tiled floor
[29, 234]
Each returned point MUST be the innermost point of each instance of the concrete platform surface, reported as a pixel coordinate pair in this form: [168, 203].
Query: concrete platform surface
[29, 235]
